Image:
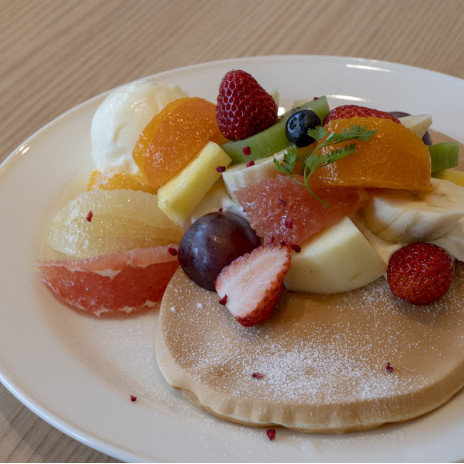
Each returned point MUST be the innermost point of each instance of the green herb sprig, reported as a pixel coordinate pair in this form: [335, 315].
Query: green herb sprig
[314, 160]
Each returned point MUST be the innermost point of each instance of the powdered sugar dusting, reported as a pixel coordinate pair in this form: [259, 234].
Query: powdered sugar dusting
[317, 350]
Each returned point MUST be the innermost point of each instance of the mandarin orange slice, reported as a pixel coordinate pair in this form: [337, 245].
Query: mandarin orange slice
[118, 180]
[394, 157]
[174, 136]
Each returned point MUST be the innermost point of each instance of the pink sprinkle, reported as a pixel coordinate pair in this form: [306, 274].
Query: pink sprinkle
[246, 151]
[220, 168]
[250, 163]
[282, 202]
[288, 223]
[271, 433]
[89, 216]
[257, 375]
[133, 398]
[223, 300]
[295, 248]
[172, 251]
[389, 367]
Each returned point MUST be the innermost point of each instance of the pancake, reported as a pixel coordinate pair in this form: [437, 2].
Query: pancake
[322, 359]
[319, 364]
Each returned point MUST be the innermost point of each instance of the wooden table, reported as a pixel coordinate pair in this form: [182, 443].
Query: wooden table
[55, 54]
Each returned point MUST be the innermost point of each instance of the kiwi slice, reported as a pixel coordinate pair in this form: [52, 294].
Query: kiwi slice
[444, 156]
[272, 139]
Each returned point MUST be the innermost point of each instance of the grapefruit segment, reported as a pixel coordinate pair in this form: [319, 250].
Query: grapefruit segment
[99, 222]
[281, 210]
[114, 285]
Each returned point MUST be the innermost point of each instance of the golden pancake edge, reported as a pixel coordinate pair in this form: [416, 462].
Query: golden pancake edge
[319, 364]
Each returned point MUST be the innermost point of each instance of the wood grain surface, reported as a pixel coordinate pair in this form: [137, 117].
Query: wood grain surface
[55, 54]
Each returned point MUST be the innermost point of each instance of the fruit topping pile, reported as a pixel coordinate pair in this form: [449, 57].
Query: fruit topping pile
[246, 202]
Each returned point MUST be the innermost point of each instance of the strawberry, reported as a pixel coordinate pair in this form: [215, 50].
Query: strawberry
[420, 273]
[243, 106]
[250, 286]
[350, 111]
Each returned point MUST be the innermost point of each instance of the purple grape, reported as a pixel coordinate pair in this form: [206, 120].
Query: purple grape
[427, 139]
[213, 242]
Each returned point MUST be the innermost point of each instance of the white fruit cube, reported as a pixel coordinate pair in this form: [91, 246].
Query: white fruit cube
[417, 123]
[181, 194]
[338, 259]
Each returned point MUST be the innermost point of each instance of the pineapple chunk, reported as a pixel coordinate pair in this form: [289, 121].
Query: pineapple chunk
[179, 196]
[457, 177]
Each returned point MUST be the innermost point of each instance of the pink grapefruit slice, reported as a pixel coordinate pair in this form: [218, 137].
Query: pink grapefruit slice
[113, 285]
[280, 210]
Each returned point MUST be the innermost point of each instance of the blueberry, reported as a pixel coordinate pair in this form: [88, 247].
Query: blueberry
[297, 127]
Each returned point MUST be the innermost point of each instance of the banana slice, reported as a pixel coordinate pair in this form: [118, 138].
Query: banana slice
[242, 175]
[453, 241]
[409, 216]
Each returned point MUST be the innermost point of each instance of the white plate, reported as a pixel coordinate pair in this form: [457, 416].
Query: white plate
[77, 373]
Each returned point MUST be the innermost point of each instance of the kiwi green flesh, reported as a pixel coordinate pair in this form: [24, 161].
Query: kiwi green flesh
[272, 139]
[444, 156]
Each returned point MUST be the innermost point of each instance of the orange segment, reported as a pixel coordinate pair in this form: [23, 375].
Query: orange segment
[393, 158]
[174, 136]
[117, 180]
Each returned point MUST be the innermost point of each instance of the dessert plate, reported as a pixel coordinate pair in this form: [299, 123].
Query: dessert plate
[78, 373]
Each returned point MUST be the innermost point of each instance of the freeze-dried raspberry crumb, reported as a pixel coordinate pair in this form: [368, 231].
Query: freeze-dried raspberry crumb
[271, 433]
[223, 300]
[250, 163]
[220, 168]
[89, 216]
[133, 398]
[172, 251]
[257, 375]
[389, 367]
[246, 150]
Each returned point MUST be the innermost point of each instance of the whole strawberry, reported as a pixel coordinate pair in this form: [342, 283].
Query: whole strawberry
[420, 273]
[244, 108]
[350, 111]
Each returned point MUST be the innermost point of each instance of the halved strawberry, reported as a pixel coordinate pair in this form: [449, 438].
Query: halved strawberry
[250, 286]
